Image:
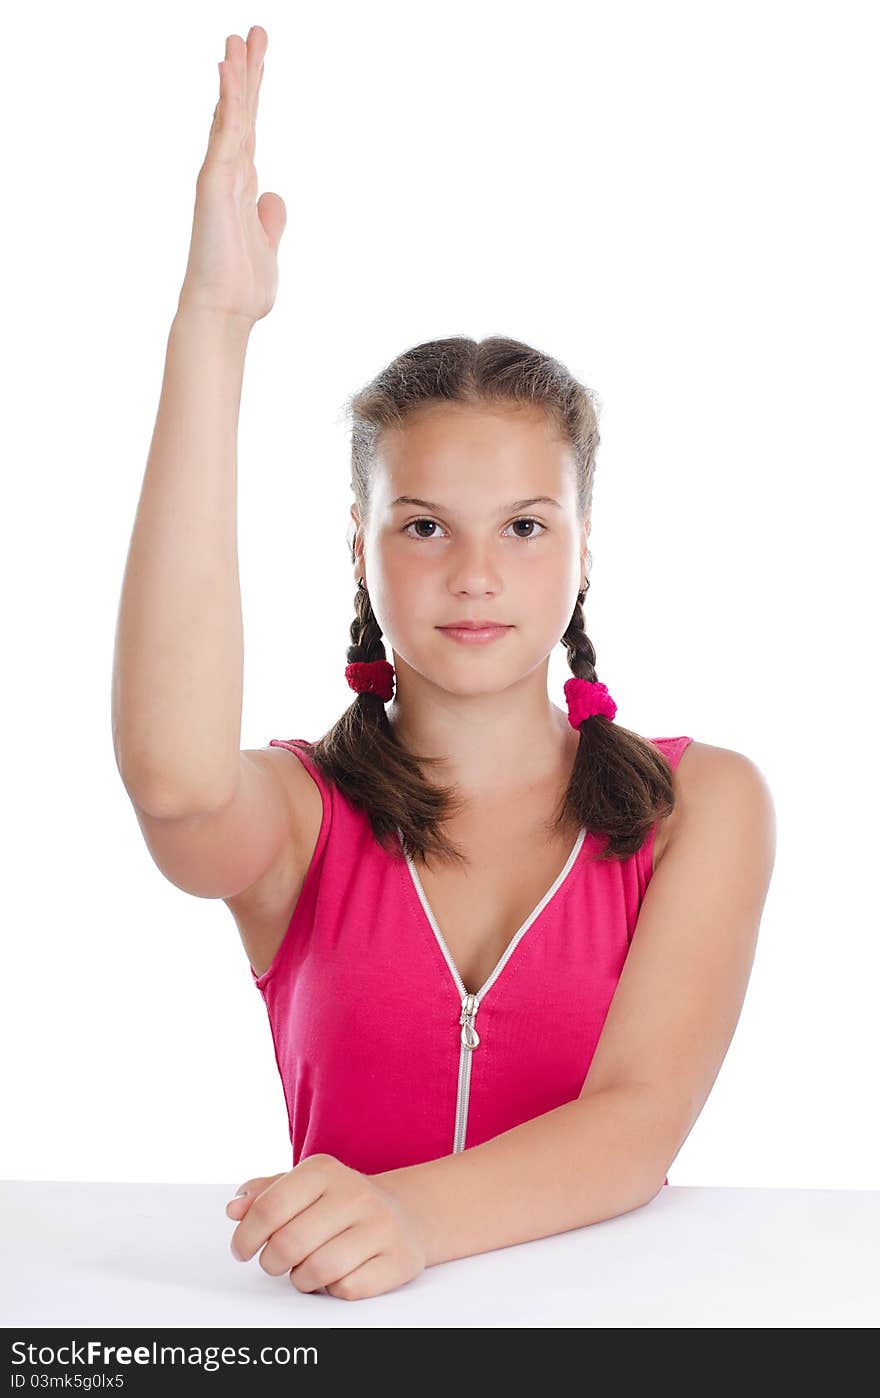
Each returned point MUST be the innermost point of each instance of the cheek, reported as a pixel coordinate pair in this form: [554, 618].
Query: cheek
[545, 583]
[407, 576]
[399, 589]
[395, 570]
[551, 598]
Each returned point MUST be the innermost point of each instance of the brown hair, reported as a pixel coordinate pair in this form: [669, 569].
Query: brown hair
[620, 783]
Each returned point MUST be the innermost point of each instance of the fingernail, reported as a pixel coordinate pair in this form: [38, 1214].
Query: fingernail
[239, 1192]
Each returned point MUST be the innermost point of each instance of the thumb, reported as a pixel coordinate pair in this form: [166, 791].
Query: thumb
[272, 213]
[239, 1205]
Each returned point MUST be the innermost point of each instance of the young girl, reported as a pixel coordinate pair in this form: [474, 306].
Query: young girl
[439, 897]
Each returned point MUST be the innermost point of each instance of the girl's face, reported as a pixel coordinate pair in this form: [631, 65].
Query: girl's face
[473, 547]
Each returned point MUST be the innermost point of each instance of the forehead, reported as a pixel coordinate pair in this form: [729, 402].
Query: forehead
[459, 451]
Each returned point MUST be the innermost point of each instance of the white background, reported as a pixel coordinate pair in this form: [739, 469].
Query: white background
[679, 201]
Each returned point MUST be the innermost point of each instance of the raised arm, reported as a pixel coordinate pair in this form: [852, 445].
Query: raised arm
[178, 658]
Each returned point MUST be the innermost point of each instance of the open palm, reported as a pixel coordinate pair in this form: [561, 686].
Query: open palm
[233, 264]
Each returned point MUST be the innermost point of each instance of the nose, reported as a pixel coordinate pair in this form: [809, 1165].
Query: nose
[473, 573]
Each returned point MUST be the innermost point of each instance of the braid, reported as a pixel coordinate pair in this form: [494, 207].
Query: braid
[581, 652]
[365, 633]
[367, 645]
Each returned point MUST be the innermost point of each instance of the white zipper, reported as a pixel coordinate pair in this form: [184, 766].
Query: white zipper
[470, 1003]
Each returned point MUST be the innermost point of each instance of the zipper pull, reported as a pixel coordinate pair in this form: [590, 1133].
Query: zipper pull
[469, 1036]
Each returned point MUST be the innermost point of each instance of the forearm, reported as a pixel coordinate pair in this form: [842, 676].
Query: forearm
[178, 662]
[588, 1160]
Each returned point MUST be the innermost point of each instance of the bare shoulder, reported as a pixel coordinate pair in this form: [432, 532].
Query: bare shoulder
[704, 774]
[703, 765]
[304, 798]
[720, 787]
[263, 911]
[305, 809]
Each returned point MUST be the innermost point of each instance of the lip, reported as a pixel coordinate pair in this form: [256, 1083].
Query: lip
[474, 634]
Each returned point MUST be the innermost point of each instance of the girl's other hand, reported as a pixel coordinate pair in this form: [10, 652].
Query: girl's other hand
[328, 1226]
[233, 266]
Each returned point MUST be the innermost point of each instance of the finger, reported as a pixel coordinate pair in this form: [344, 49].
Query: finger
[247, 1193]
[257, 43]
[372, 1278]
[226, 128]
[272, 211]
[275, 1205]
[310, 1233]
[238, 1207]
[339, 1256]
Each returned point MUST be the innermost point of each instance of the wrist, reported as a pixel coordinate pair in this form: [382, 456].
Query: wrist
[406, 1186]
[214, 320]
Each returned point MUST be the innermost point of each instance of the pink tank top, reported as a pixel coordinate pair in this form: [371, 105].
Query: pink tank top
[385, 1059]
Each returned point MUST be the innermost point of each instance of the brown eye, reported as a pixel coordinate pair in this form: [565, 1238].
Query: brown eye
[529, 521]
[414, 522]
[433, 524]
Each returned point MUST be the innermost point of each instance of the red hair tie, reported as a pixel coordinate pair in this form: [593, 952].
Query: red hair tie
[585, 698]
[371, 677]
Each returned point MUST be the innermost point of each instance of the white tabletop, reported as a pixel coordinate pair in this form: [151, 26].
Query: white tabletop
[158, 1255]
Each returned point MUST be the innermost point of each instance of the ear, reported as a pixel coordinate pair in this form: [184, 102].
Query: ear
[357, 545]
[585, 547]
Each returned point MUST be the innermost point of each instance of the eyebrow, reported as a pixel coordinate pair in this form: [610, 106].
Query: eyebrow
[440, 509]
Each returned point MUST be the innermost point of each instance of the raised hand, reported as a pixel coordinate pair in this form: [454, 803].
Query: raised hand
[233, 266]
